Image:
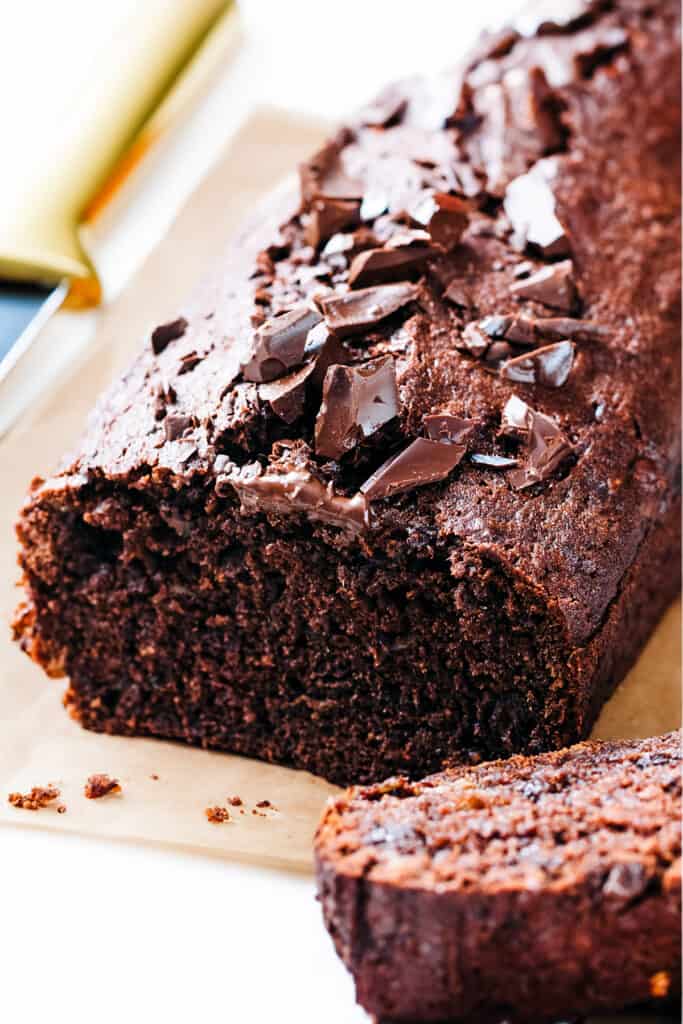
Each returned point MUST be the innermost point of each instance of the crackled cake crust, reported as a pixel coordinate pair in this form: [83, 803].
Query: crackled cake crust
[401, 482]
[527, 889]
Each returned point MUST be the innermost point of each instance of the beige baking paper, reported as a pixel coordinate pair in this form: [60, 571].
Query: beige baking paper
[39, 743]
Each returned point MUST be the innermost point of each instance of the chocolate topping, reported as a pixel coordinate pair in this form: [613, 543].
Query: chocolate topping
[357, 401]
[551, 286]
[375, 266]
[547, 445]
[166, 333]
[422, 462]
[354, 312]
[287, 395]
[448, 429]
[530, 205]
[549, 366]
[327, 216]
[279, 344]
[293, 488]
[445, 217]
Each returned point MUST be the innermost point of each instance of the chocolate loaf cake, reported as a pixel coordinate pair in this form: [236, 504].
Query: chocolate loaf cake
[402, 482]
[534, 889]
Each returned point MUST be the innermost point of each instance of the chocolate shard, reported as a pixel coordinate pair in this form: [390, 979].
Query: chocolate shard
[547, 446]
[327, 217]
[357, 401]
[474, 340]
[356, 311]
[458, 293]
[445, 217]
[530, 206]
[522, 331]
[286, 489]
[422, 462]
[495, 326]
[352, 241]
[324, 349]
[498, 352]
[448, 429]
[279, 344]
[175, 426]
[386, 110]
[549, 366]
[323, 176]
[561, 327]
[166, 333]
[287, 396]
[375, 203]
[551, 286]
[375, 266]
[493, 461]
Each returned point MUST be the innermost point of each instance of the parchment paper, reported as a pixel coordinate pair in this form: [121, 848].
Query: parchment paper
[39, 743]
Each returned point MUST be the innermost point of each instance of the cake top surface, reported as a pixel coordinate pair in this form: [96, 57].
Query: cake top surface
[607, 815]
[460, 328]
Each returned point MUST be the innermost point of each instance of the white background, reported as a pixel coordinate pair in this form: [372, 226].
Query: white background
[97, 932]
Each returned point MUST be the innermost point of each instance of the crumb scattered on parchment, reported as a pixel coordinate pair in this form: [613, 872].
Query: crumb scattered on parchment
[217, 815]
[61, 808]
[101, 785]
[40, 796]
[660, 983]
[235, 801]
[154, 776]
[265, 803]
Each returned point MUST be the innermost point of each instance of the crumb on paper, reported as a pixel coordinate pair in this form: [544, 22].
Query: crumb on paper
[40, 796]
[61, 808]
[100, 785]
[154, 776]
[217, 815]
[660, 983]
[264, 803]
[235, 801]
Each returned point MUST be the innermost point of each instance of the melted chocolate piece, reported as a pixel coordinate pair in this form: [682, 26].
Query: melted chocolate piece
[328, 216]
[279, 344]
[386, 110]
[166, 333]
[551, 286]
[293, 488]
[546, 443]
[549, 366]
[493, 461]
[530, 206]
[287, 396]
[448, 429]
[375, 266]
[422, 462]
[356, 311]
[357, 401]
[445, 217]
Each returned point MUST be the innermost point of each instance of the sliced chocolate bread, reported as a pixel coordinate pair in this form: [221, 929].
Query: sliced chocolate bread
[527, 889]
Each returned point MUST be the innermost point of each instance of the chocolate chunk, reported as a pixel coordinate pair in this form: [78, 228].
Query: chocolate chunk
[474, 340]
[287, 396]
[549, 366]
[551, 286]
[497, 353]
[448, 429]
[445, 217]
[176, 425]
[560, 327]
[523, 269]
[356, 311]
[386, 110]
[530, 206]
[278, 345]
[328, 216]
[375, 203]
[357, 401]
[324, 348]
[601, 49]
[323, 176]
[375, 266]
[352, 241]
[546, 443]
[422, 462]
[188, 361]
[288, 489]
[492, 45]
[522, 331]
[493, 461]
[458, 294]
[495, 326]
[166, 333]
